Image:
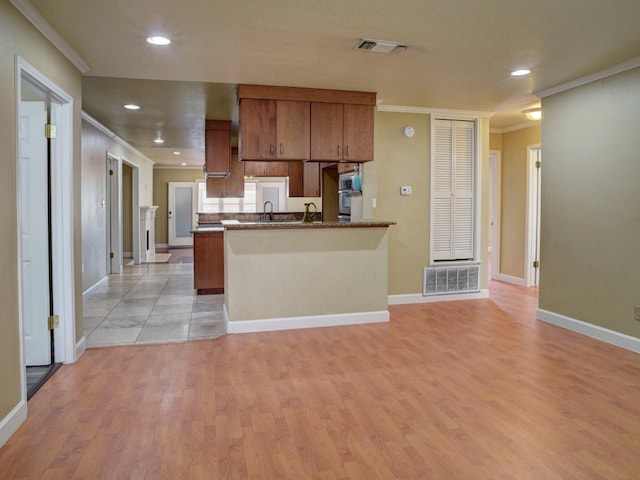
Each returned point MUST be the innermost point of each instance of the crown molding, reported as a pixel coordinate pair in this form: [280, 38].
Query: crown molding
[44, 27]
[592, 77]
[519, 126]
[92, 121]
[159, 166]
[447, 112]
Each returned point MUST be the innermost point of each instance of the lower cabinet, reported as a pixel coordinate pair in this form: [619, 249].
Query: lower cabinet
[208, 262]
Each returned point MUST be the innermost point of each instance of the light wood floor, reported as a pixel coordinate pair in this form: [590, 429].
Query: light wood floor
[454, 390]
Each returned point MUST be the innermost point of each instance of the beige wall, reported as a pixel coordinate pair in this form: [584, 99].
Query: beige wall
[590, 255]
[406, 161]
[514, 197]
[18, 37]
[95, 146]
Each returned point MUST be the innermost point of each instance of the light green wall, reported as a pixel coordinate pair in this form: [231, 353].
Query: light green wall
[18, 37]
[406, 161]
[513, 221]
[590, 245]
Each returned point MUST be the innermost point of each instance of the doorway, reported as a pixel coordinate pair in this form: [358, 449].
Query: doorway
[45, 244]
[532, 252]
[181, 213]
[495, 185]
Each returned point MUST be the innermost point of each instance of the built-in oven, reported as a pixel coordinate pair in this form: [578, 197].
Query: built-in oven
[346, 192]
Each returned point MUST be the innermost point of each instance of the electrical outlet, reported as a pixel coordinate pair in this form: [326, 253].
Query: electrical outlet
[373, 203]
[405, 190]
[637, 312]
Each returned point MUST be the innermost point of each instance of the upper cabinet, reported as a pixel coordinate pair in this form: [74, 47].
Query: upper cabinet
[231, 186]
[287, 123]
[217, 147]
[341, 132]
[274, 129]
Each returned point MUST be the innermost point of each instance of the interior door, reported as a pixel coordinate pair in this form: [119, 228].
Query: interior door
[181, 213]
[35, 227]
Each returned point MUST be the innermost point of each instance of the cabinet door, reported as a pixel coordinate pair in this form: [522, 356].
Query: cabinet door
[326, 131]
[257, 129]
[256, 169]
[278, 169]
[292, 130]
[234, 185]
[358, 133]
[296, 181]
[311, 178]
[217, 150]
[208, 261]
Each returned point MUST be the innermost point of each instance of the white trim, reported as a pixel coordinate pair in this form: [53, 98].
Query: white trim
[501, 277]
[89, 119]
[62, 219]
[590, 330]
[114, 205]
[81, 346]
[419, 298]
[592, 77]
[519, 126]
[10, 424]
[532, 201]
[177, 167]
[93, 287]
[448, 112]
[44, 27]
[290, 323]
[162, 245]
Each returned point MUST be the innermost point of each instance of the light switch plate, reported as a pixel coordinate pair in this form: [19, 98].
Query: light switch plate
[405, 190]
[637, 312]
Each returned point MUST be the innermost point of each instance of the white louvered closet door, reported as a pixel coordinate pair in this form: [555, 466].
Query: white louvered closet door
[452, 190]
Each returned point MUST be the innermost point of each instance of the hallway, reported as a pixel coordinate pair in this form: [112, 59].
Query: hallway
[152, 303]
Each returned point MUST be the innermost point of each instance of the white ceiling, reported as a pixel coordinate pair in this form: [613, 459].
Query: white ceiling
[459, 57]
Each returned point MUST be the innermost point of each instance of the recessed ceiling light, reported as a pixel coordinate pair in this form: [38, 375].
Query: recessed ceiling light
[521, 72]
[158, 40]
[132, 106]
[177, 153]
[184, 164]
[158, 140]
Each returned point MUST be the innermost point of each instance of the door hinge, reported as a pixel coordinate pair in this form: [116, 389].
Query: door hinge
[53, 322]
[50, 131]
[536, 264]
[111, 172]
[538, 164]
[111, 255]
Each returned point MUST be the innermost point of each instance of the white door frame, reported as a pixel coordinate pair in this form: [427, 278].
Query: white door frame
[135, 214]
[532, 247]
[114, 214]
[62, 228]
[495, 178]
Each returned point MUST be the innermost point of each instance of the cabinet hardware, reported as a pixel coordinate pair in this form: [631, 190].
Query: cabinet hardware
[346, 151]
[272, 149]
[338, 151]
[281, 149]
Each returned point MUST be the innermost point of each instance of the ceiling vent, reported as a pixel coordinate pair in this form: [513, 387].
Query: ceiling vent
[380, 46]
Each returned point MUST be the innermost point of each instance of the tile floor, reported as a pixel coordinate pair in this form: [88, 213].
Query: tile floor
[151, 303]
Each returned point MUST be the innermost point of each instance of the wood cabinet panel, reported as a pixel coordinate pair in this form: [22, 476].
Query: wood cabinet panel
[326, 131]
[296, 179]
[311, 177]
[208, 262]
[358, 133]
[278, 169]
[217, 146]
[254, 168]
[257, 129]
[292, 130]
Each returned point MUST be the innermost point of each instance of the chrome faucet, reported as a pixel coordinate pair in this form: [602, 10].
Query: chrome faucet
[264, 211]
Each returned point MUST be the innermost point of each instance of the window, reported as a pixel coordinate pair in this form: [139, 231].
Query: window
[247, 204]
[452, 190]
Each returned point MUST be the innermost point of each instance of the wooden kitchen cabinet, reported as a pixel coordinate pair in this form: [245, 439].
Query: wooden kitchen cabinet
[253, 168]
[231, 187]
[208, 262]
[217, 146]
[341, 132]
[274, 129]
[304, 179]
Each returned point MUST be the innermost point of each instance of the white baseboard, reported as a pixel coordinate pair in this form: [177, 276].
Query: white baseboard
[290, 323]
[590, 330]
[89, 290]
[127, 254]
[510, 279]
[419, 298]
[81, 346]
[162, 245]
[10, 424]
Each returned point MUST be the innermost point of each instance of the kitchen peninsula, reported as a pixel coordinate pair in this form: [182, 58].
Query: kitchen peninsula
[284, 275]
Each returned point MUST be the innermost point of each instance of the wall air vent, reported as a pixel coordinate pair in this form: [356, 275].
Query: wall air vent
[380, 46]
[448, 279]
